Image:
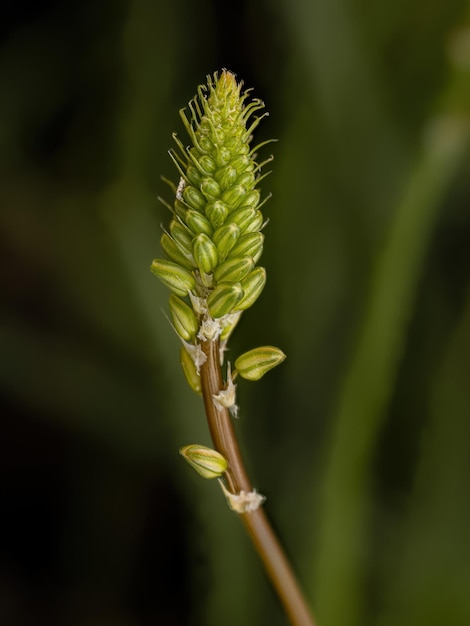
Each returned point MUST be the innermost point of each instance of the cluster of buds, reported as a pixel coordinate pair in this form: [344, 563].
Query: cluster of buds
[214, 240]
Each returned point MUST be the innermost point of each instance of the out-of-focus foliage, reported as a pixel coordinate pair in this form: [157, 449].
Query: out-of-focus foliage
[361, 441]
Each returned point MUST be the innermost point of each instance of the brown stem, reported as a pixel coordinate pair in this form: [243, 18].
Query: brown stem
[223, 436]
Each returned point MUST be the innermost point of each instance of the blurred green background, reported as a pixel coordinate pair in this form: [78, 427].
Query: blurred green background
[361, 440]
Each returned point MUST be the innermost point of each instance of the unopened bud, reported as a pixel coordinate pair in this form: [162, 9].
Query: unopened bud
[190, 371]
[207, 462]
[250, 244]
[225, 238]
[234, 270]
[176, 253]
[210, 188]
[234, 196]
[198, 223]
[181, 235]
[217, 212]
[205, 253]
[194, 198]
[254, 364]
[183, 318]
[224, 298]
[226, 176]
[243, 217]
[252, 286]
[175, 277]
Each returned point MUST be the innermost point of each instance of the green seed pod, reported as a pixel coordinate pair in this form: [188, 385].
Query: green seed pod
[210, 188]
[242, 163]
[243, 217]
[224, 298]
[194, 198]
[205, 143]
[225, 238]
[180, 209]
[226, 176]
[250, 244]
[217, 212]
[223, 156]
[175, 277]
[247, 179]
[198, 223]
[194, 175]
[234, 196]
[181, 235]
[252, 199]
[190, 371]
[234, 270]
[183, 318]
[207, 462]
[254, 364]
[256, 223]
[175, 253]
[205, 253]
[252, 287]
[207, 164]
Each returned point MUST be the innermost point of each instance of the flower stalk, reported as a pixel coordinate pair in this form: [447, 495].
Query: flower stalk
[212, 247]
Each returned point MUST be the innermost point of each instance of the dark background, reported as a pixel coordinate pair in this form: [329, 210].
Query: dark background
[361, 440]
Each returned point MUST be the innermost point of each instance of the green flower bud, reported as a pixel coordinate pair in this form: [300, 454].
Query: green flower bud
[243, 217]
[207, 462]
[252, 199]
[217, 212]
[226, 176]
[254, 364]
[252, 287]
[175, 277]
[250, 244]
[242, 163]
[205, 253]
[256, 223]
[194, 198]
[194, 175]
[176, 253]
[234, 270]
[247, 179]
[181, 235]
[224, 298]
[207, 164]
[225, 238]
[206, 144]
[234, 196]
[223, 156]
[180, 209]
[183, 318]
[210, 188]
[190, 371]
[198, 223]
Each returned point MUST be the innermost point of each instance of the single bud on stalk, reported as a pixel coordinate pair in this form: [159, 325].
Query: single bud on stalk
[207, 462]
[254, 364]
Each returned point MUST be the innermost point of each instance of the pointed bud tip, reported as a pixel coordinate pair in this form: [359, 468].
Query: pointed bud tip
[207, 462]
